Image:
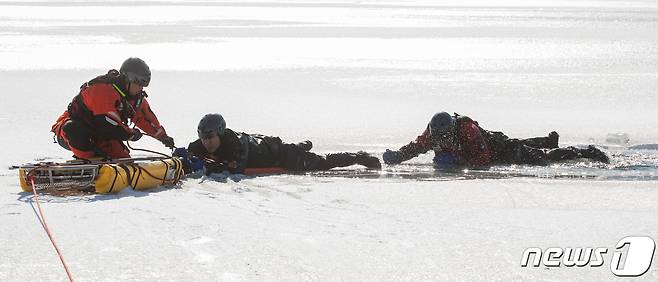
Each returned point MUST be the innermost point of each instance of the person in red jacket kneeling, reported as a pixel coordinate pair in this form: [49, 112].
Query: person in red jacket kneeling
[97, 120]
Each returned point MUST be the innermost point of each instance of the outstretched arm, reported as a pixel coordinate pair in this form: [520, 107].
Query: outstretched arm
[421, 145]
[146, 120]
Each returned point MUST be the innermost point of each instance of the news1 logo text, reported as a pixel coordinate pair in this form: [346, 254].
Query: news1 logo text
[633, 261]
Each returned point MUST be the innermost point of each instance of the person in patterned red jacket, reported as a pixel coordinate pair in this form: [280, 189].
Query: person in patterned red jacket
[460, 141]
[97, 120]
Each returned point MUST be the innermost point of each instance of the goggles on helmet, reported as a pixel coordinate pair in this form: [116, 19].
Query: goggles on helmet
[139, 79]
[207, 134]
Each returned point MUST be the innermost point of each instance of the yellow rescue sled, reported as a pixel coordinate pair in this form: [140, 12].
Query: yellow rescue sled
[101, 177]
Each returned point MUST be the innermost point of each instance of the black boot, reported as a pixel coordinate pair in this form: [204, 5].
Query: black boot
[367, 160]
[348, 159]
[594, 154]
[553, 140]
[563, 154]
[572, 153]
[530, 155]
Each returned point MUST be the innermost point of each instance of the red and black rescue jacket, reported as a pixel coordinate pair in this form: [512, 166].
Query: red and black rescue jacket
[105, 106]
[472, 146]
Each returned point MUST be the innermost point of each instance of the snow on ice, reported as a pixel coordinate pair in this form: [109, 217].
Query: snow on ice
[348, 75]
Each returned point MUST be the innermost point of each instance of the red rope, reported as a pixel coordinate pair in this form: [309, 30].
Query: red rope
[45, 227]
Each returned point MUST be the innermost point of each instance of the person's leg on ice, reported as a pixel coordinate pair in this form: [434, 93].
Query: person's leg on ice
[295, 158]
[76, 137]
[113, 149]
[595, 154]
[529, 155]
[571, 153]
[523, 151]
[548, 142]
[348, 159]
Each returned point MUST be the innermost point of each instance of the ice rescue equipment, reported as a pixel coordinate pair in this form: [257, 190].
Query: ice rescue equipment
[101, 177]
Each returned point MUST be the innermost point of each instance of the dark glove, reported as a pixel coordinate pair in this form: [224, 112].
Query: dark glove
[444, 160]
[180, 152]
[136, 135]
[190, 163]
[392, 157]
[196, 164]
[169, 142]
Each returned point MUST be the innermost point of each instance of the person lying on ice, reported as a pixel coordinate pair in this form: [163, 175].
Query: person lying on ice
[460, 141]
[96, 121]
[222, 149]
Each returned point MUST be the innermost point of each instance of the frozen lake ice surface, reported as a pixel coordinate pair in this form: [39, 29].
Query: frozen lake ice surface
[348, 75]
